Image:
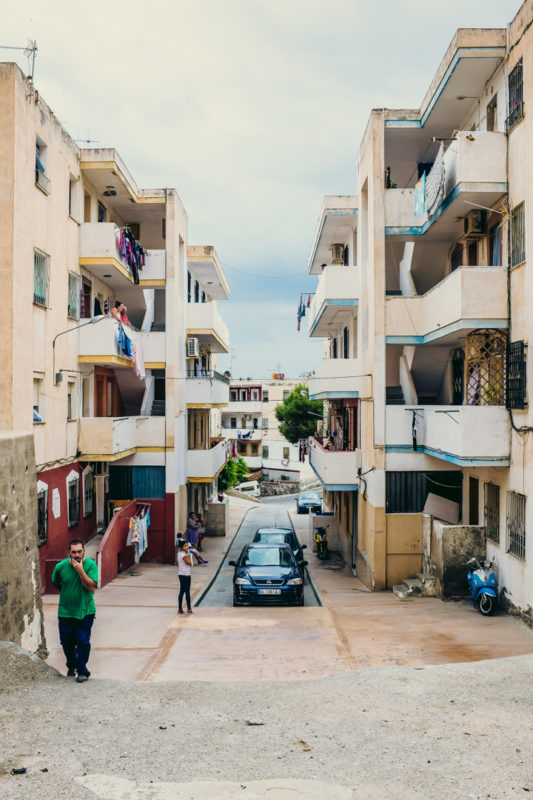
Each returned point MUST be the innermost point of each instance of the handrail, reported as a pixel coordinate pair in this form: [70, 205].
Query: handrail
[207, 373]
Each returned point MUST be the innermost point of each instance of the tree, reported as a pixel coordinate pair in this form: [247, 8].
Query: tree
[232, 474]
[298, 415]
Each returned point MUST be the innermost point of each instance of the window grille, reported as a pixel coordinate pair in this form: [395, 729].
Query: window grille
[74, 288]
[492, 511]
[73, 503]
[42, 517]
[516, 97]
[516, 524]
[88, 499]
[41, 262]
[518, 235]
[485, 357]
[516, 375]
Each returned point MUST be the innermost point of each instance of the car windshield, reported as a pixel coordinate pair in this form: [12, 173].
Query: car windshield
[267, 557]
[272, 537]
[308, 496]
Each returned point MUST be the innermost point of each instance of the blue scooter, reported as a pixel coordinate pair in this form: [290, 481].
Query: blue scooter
[483, 585]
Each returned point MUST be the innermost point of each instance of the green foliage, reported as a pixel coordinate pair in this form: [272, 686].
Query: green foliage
[298, 415]
[232, 474]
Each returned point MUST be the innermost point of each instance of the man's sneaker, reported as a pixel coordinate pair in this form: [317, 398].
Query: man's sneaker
[71, 673]
[189, 611]
[180, 611]
[82, 678]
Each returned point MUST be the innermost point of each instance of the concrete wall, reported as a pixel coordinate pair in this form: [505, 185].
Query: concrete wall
[450, 546]
[21, 619]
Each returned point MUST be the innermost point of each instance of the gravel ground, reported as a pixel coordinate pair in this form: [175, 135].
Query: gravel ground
[453, 731]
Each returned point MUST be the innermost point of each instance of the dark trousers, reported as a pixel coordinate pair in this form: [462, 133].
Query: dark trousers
[75, 638]
[185, 589]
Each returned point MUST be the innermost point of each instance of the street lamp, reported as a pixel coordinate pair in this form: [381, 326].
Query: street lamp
[57, 375]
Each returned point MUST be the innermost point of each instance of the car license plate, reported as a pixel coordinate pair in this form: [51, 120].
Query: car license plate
[269, 591]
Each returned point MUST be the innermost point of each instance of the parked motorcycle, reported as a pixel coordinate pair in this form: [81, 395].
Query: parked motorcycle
[483, 585]
[321, 542]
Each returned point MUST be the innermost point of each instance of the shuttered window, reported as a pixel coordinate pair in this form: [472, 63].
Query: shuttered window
[41, 269]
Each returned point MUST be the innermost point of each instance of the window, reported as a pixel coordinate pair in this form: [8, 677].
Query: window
[86, 207]
[516, 524]
[345, 343]
[255, 395]
[334, 348]
[285, 393]
[492, 511]
[346, 256]
[71, 401]
[85, 298]
[264, 423]
[255, 422]
[38, 410]
[73, 498]
[196, 292]
[74, 284]
[515, 110]
[233, 395]
[41, 179]
[244, 397]
[233, 422]
[495, 245]
[88, 491]
[86, 397]
[189, 285]
[515, 389]
[41, 269]
[492, 114]
[457, 257]
[203, 297]
[42, 513]
[102, 212]
[265, 395]
[518, 236]
[286, 453]
[265, 451]
[255, 449]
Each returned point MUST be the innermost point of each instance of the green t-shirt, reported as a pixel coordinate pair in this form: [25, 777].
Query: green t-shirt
[75, 600]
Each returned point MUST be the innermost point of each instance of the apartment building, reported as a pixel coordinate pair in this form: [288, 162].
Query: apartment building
[250, 423]
[422, 303]
[106, 398]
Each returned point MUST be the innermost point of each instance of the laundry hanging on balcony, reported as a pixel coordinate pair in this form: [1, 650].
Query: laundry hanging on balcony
[435, 183]
[132, 252]
[138, 534]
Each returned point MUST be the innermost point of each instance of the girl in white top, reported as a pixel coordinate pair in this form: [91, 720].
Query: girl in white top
[184, 574]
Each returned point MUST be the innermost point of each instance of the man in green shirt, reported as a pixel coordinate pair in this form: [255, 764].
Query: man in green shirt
[76, 577]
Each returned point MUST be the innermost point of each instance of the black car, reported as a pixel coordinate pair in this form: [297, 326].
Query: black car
[281, 536]
[267, 573]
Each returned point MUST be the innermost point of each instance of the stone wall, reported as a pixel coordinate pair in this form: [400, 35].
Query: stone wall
[446, 549]
[21, 617]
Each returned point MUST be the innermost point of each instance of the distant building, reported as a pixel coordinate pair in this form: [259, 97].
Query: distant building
[250, 423]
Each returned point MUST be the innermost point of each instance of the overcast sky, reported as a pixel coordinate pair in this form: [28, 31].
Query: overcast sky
[252, 109]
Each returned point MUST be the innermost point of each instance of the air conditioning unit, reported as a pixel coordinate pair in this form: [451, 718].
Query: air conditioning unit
[337, 253]
[475, 224]
[193, 350]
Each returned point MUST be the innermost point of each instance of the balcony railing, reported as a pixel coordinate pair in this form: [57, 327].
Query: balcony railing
[207, 387]
[204, 465]
[339, 377]
[464, 435]
[111, 436]
[205, 323]
[336, 469]
[336, 299]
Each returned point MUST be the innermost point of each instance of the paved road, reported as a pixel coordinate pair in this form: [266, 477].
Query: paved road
[272, 515]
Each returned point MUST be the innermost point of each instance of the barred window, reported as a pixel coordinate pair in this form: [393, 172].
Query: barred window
[515, 109]
[41, 270]
[516, 524]
[73, 492]
[88, 493]
[518, 235]
[42, 516]
[516, 384]
[74, 290]
[492, 511]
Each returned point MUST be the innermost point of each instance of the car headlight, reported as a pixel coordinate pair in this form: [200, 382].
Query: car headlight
[242, 581]
[294, 582]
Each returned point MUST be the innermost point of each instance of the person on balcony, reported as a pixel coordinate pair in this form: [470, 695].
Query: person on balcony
[76, 577]
[119, 312]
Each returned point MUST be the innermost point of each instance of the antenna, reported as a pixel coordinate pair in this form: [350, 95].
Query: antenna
[30, 51]
[86, 141]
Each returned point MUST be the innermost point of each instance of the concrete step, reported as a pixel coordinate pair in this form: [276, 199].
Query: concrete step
[414, 585]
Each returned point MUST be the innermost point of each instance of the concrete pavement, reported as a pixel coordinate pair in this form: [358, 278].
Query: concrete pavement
[137, 635]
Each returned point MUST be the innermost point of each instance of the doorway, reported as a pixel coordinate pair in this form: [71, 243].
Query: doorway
[473, 501]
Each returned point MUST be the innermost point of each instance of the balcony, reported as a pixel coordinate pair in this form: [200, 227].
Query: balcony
[204, 465]
[474, 168]
[208, 390]
[253, 407]
[335, 301]
[335, 469]
[478, 436]
[205, 324]
[154, 353]
[112, 438]
[468, 298]
[256, 434]
[100, 255]
[98, 344]
[338, 378]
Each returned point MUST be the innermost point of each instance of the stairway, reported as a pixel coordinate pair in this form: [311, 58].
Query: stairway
[394, 396]
[421, 586]
[158, 408]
